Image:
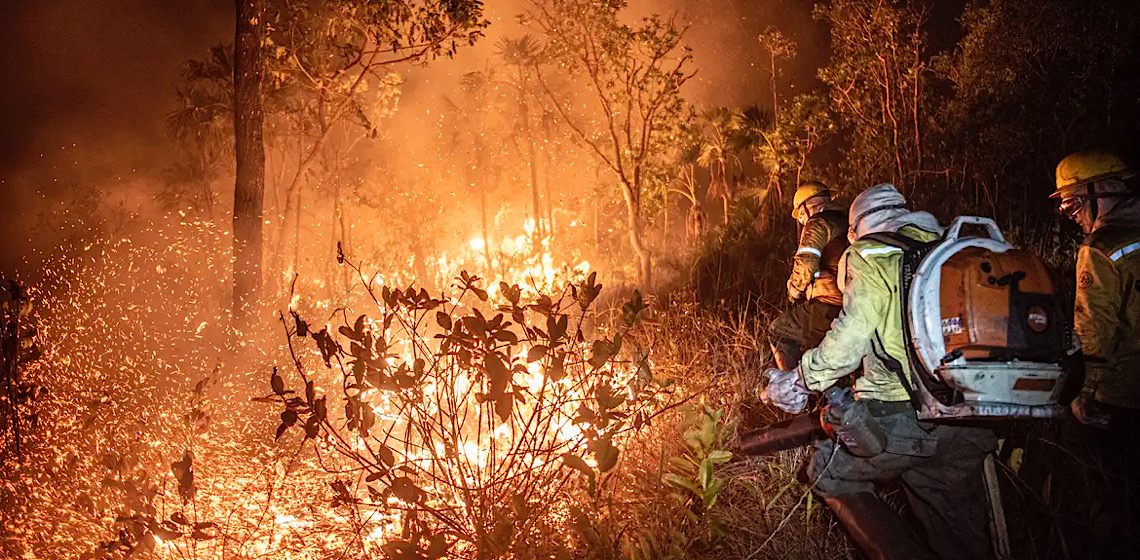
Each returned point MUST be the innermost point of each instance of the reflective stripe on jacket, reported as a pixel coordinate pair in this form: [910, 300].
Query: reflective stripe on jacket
[1106, 314]
[812, 274]
[872, 313]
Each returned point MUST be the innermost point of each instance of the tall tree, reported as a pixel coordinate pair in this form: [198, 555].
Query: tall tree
[523, 54]
[718, 127]
[779, 48]
[879, 79]
[249, 187]
[634, 74]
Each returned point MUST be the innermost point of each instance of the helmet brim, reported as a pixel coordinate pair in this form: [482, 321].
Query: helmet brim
[1068, 190]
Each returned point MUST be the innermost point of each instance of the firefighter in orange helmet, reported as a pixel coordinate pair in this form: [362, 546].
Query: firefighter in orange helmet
[1106, 315]
[814, 277]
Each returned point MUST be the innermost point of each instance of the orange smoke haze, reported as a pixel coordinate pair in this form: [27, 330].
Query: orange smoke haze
[82, 145]
[129, 267]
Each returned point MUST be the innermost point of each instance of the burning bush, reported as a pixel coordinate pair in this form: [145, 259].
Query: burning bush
[488, 420]
[462, 427]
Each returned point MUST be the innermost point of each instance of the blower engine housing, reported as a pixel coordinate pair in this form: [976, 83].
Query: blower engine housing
[985, 329]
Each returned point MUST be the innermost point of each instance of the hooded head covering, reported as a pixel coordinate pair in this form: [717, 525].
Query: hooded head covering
[1126, 212]
[882, 208]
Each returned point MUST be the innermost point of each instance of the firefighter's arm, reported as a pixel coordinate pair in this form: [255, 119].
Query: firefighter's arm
[865, 300]
[1095, 318]
[805, 264]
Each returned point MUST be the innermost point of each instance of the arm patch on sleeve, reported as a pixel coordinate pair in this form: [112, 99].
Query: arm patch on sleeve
[1085, 280]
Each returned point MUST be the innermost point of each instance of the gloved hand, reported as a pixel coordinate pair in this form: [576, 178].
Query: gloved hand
[794, 293]
[1088, 412]
[786, 390]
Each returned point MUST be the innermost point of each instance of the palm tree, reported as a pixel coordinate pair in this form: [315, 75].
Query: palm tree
[756, 132]
[523, 54]
[202, 123]
[717, 151]
[688, 153]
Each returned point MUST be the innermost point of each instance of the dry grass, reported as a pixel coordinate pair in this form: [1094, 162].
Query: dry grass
[1060, 481]
[763, 510]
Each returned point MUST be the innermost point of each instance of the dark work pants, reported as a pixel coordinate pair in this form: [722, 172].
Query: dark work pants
[802, 327]
[941, 467]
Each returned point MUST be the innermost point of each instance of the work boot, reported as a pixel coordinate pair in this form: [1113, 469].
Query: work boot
[787, 354]
[876, 528]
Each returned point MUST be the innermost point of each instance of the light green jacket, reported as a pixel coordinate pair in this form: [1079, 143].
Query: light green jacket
[872, 309]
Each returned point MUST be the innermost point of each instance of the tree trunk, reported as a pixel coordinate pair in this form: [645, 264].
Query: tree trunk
[485, 229]
[534, 193]
[249, 187]
[546, 177]
[633, 224]
[532, 161]
[293, 195]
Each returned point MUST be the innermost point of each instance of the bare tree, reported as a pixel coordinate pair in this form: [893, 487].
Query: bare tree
[634, 74]
[778, 48]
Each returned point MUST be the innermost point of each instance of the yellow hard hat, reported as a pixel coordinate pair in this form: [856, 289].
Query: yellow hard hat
[1081, 168]
[807, 191]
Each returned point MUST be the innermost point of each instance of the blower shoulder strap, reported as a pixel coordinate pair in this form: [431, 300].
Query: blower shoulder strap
[896, 239]
[896, 367]
[835, 216]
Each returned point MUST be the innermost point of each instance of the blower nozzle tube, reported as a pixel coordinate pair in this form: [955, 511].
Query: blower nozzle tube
[795, 432]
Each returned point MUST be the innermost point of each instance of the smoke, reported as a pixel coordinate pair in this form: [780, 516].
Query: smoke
[88, 84]
[727, 54]
[722, 35]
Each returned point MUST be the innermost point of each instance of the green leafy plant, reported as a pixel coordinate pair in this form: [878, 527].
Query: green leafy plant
[693, 474]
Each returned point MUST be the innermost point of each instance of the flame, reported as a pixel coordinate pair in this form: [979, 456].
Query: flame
[115, 336]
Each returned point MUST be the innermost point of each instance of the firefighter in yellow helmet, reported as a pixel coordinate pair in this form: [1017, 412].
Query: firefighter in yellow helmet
[940, 464]
[813, 279]
[1106, 315]
[1106, 320]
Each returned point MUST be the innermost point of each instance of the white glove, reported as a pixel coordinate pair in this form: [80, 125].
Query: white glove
[786, 390]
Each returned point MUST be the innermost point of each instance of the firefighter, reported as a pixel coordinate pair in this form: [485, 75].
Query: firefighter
[941, 465]
[1106, 320]
[813, 278]
[1106, 314]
